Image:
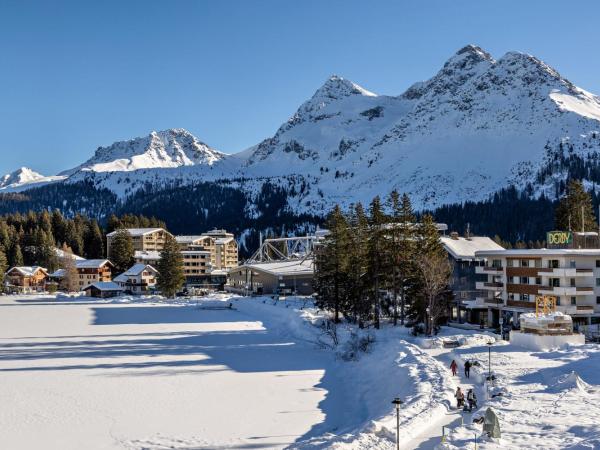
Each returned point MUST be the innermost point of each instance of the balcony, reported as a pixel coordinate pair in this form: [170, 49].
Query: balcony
[520, 304]
[566, 290]
[489, 286]
[488, 269]
[566, 272]
[579, 310]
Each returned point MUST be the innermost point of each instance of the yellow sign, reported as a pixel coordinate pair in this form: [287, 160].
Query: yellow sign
[559, 237]
[544, 304]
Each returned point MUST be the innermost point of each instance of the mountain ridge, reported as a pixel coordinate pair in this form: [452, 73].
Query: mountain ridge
[476, 126]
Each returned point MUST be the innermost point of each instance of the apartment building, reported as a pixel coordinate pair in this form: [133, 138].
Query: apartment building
[461, 254]
[515, 277]
[197, 264]
[144, 239]
[220, 244]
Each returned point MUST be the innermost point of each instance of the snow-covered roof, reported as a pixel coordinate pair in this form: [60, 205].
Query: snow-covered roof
[137, 231]
[151, 255]
[223, 241]
[92, 263]
[138, 268]
[27, 271]
[187, 239]
[463, 248]
[58, 273]
[104, 286]
[282, 268]
[61, 254]
[540, 252]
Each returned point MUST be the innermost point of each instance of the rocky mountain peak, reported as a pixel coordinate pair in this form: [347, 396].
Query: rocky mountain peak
[19, 176]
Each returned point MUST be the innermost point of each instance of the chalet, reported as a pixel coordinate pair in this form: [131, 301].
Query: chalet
[26, 279]
[88, 271]
[139, 279]
[103, 289]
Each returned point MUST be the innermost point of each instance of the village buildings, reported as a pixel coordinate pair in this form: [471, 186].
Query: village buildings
[144, 239]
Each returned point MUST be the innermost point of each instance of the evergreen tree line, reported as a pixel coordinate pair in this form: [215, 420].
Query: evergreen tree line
[381, 264]
[32, 238]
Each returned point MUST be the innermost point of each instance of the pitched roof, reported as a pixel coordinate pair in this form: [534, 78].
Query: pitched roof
[138, 231]
[61, 254]
[27, 271]
[138, 268]
[92, 263]
[187, 239]
[462, 248]
[224, 240]
[104, 286]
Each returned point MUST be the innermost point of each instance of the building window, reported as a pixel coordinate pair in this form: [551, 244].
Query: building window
[525, 297]
[524, 280]
[572, 281]
[557, 301]
[524, 263]
[553, 264]
[597, 300]
[573, 301]
[555, 282]
[538, 280]
[598, 263]
[597, 281]
[572, 264]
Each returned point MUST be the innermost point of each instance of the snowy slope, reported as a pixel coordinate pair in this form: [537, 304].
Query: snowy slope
[478, 125]
[23, 178]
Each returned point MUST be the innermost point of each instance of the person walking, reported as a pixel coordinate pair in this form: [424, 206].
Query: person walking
[453, 368]
[468, 369]
[460, 398]
[471, 400]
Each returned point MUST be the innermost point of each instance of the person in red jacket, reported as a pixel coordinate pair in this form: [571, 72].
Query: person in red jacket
[454, 368]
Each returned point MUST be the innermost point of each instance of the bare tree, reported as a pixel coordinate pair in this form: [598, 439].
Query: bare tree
[70, 277]
[434, 270]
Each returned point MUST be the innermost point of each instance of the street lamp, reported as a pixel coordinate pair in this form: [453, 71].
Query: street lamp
[397, 402]
[489, 377]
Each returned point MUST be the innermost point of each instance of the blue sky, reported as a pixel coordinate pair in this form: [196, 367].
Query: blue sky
[77, 75]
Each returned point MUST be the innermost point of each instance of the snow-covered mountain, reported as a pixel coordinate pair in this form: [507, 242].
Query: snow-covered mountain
[25, 177]
[476, 126]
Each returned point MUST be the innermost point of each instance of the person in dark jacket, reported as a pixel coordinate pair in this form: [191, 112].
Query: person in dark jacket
[468, 369]
[471, 400]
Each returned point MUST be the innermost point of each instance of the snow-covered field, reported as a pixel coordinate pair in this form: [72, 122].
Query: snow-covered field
[151, 374]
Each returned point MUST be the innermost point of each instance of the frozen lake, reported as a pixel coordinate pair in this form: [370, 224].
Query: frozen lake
[82, 374]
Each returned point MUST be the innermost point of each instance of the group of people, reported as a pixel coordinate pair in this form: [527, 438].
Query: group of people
[460, 399]
[459, 395]
[454, 368]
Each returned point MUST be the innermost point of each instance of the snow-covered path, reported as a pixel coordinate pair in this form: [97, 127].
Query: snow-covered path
[432, 436]
[83, 374]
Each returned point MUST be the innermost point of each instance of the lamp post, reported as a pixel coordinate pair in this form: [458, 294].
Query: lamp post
[397, 402]
[489, 377]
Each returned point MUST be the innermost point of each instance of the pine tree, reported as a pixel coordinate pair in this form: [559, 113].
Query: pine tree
[357, 265]
[402, 251]
[170, 277]
[332, 265]
[121, 251]
[3, 266]
[94, 241]
[376, 256]
[574, 206]
[16, 256]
